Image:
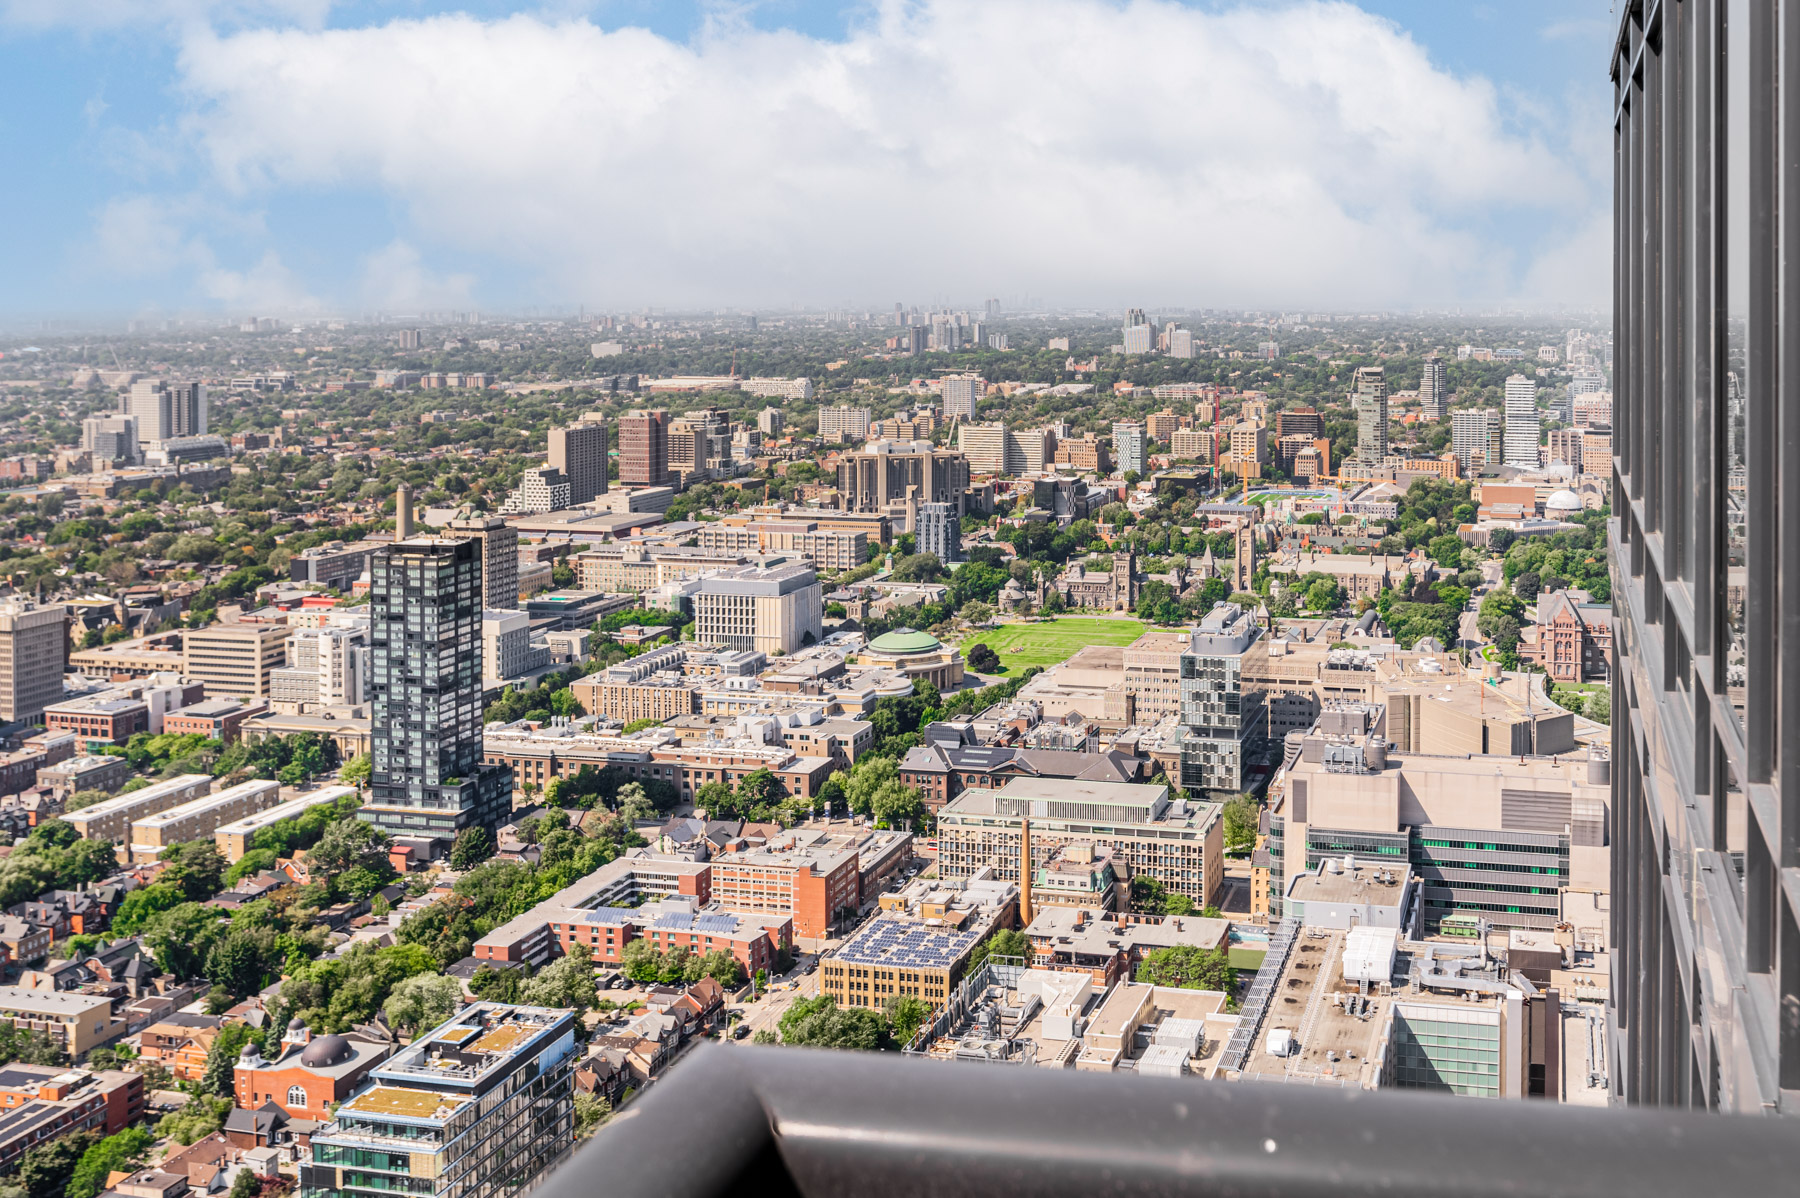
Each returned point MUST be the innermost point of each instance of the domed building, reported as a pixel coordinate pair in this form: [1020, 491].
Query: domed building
[1562, 504]
[308, 1074]
[917, 655]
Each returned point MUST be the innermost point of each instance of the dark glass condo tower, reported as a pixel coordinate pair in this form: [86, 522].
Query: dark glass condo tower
[427, 777]
[1705, 533]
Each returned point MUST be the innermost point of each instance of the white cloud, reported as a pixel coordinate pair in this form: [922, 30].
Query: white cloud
[1075, 149]
[395, 279]
[266, 287]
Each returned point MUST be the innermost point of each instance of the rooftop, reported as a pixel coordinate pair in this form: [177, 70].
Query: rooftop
[905, 944]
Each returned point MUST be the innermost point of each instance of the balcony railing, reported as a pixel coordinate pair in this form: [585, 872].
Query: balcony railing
[734, 1120]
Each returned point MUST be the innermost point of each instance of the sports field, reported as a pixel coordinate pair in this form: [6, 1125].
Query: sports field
[1022, 646]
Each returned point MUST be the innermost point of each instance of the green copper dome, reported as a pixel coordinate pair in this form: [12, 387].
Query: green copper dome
[904, 640]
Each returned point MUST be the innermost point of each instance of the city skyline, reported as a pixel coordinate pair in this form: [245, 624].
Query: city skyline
[166, 182]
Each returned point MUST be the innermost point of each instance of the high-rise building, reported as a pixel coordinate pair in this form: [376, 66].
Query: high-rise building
[1304, 422]
[234, 660]
[499, 554]
[841, 422]
[1129, 446]
[110, 439]
[1037, 450]
[885, 472]
[326, 667]
[770, 610]
[644, 448]
[541, 489]
[579, 451]
[1705, 728]
[1222, 720]
[1523, 426]
[165, 410]
[961, 393]
[770, 422]
[33, 642]
[1434, 391]
[427, 777]
[1474, 437]
[481, 1104]
[990, 448]
[1181, 343]
[1369, 397]
[700, 446]
[940, 532]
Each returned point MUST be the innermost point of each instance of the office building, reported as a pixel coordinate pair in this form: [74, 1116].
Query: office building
[1523, 425]
[884, 472]
[841, 423]
[427, 776]
[1370, 399]
[111, 440]
[579, 451]
[1139, 333]
[541, 489]
[498, 546]
[165, 410]
[700, 446]
[234, 660]
[774, 609]
[826, 548]
[1129, 446]
[1704, 724]
[644, 448]
[506, 648]
[770, 388]
[961, 393]
[1304, 422]
[481, 1104]
[1473, 433]
[1181, 343]
[333, 564]
[940, 532]
[990, 449]
[1222, 719]
[1179, 843]
[33, 643]
[326, 667]
[1566, 448]
[1037, 450]
[1434, 390]
[770, 422]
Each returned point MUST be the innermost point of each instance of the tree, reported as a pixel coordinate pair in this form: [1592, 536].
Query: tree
[977, 612]
[640, 961]
[421, 1002]
[820, 1023]
[227, 1044]
[1446, 551]
[196, 866]
[1004, 943]
[1147, 894]
[245, 1185]
[496, 985]
[866, 778]
[473, 846]
[201, 1117]
[140, 905]
[85, 798]
[47, 1168]
[591, 1114]
[1242, 813]
[984, 660]
[567, 981]
[1599, 707]
[120, 1152]
[897, 805]
[1188, 968]
[907, 1015]
[182, 937]
[716, 800]
[348, 844]
[356, 771]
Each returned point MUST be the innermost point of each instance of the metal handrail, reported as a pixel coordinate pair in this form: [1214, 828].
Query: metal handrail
[790, 1121]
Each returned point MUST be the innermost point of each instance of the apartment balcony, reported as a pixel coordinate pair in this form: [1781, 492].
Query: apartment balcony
[796, 1122]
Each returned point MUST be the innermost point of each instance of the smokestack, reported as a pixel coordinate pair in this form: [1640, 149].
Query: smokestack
[403, 513]
[1025, 913]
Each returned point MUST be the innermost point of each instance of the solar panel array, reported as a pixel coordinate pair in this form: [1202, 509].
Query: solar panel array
[901, 945]
[716, 923]
[613, 915]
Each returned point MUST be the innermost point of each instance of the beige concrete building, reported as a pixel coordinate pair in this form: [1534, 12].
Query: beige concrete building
[659, 697]
[777, 609]
[111, 819]
[75, 1022]
[235, 838]
[1152, 675]
[622, 569]
[234, 660]
[199, 818]
[1179, 843]
[826, 549]
[33, 642]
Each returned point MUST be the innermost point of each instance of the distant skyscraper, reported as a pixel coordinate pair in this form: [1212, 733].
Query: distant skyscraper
[991, 448]
[1181, 343]
[940, 531]
[111, 439]
[427, 776]
[1128, 446]
[644, 448]
[1370, 398]
[579, 451]
[499, 553]
[961, 393]
[1522, 423]
[541, 489]
[148, 404]
[770, 422]
[842, 422]
[1433, 391]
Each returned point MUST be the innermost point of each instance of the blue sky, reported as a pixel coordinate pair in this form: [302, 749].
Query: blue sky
[305, 156]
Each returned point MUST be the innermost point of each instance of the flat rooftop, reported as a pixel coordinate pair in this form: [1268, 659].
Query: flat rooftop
[1362, 886]
[906, 944]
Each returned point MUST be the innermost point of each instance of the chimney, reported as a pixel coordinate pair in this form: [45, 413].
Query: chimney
[1025, 912]
[403, 526]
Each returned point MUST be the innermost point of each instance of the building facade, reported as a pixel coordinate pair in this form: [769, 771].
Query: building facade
[1369, 396]
[33, 644]
[1129, 446]
[579, 451]
[644, 448]
[427, 776]
[1222, 719]
[498, 545]
[1523, 424]
[887, 471]
[940, 532]
[234, 659]
[776, 609]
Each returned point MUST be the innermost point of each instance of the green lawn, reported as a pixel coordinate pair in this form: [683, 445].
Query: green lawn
[1022, 646]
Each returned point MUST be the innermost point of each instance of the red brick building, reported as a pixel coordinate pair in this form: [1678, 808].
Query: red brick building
[99, 721]
[310, 1073]
[39, 1103]
[1572, 641]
